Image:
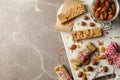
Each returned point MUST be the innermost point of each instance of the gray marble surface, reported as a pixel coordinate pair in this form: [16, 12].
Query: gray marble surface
[29, 47]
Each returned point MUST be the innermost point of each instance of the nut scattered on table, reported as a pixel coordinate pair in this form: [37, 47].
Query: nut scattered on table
[84, 77]
[90, 68]
[85, 17]
[80, 74]
[91, 24]
[87, 61]
[102, 49]
[94, 62]
[73, 47]
[110, 62]
[82, 23]
[105, 69]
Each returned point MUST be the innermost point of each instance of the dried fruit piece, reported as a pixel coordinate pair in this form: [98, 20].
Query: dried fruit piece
[94, 62]
[89, 68]
[84, 70]
[73, 47]
[100, 43]
[85, 17]
[91, 24]
[83, 23]
[87, 61]
[75, 67]
[105, 69]
[102, 49]
[80, 74]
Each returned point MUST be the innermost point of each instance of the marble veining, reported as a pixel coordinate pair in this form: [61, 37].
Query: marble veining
[28, 49]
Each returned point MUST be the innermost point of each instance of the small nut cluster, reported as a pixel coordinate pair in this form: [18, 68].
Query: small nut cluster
[104, 9]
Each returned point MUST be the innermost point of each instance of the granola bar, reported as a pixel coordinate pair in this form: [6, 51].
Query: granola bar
[85, 52]
[86, 34]
[62, 72]
[73, 12]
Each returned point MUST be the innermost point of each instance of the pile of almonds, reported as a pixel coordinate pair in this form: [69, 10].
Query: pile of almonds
[104, 9]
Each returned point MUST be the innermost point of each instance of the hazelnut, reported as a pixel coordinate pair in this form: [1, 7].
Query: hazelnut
[110, 62]
[105, 69]
[94, 62]
[84, 77]
[89, 68]
[80, 74]
[91, 24]
[85, 17]
[83, 23]
[102, 57]
[87, 61]
[73, 47]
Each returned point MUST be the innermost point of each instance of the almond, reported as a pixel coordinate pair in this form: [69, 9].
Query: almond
[96, 3]
[73, 47]
[104, 9]
[90, 68]
[94, 62]
[105, 15]
[97, 14]
[105, 69]
[110, 16]
[102, 1]
[98, 9]
[87, 61]
[107, 3]
[80, 74]
[101, 16]
[91, 24]
[85, 17]
[84, 77]
[113, 7]
[83, 23]
[110, 62]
